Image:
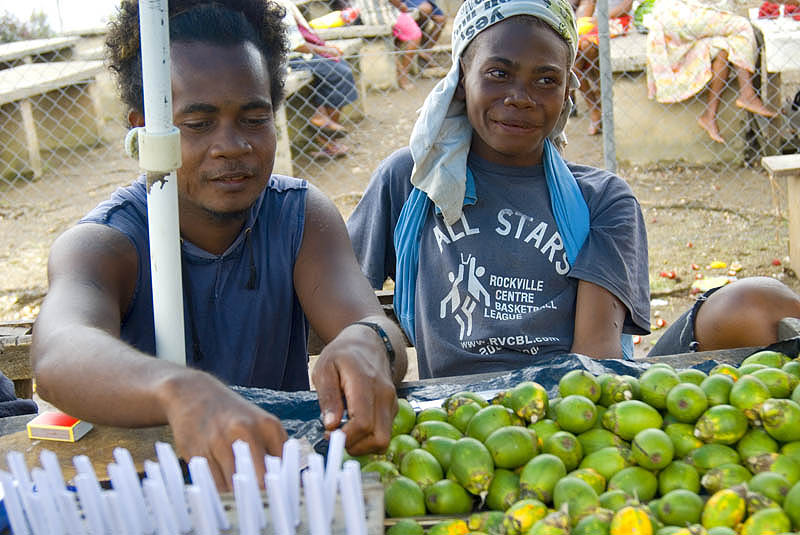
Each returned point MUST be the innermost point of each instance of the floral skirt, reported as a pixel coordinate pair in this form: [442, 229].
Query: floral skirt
[683, 40]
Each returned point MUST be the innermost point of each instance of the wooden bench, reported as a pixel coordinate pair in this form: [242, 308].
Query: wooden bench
[49, 106]
[648, 132]
[36, 51]
[788, 166]
[15, 362]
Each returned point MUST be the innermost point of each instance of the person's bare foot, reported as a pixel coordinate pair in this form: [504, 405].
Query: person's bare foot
[405, 84]
[710, 126]
[328, 125]
[755, 106]
[595, 122]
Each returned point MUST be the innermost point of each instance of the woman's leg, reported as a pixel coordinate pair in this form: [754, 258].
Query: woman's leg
[748, 99]
[409, 49]
[745, 314]
[719, 75]
[589, 76]
[429, 13]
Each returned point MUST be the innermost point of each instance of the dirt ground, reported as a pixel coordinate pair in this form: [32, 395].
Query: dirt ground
[693, 216]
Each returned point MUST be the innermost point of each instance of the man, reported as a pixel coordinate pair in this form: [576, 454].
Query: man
[260, 254]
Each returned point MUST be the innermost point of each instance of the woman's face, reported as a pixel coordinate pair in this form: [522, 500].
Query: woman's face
[515, 83]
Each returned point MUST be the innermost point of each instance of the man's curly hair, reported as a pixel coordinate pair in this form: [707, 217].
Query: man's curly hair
[221, 22]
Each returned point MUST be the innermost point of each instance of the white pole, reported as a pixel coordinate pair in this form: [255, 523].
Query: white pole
[159, 156]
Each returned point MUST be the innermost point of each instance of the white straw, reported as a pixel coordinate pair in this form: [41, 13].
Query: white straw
[355, 467]
[157, 498]
[201, 476]
[47, 500]
[33, 508]
[16, 514]
[90, 503]
[248, 518]
[277, 504]
[84, 467]
[315, 510]
[130, 479]
[112, 502]
[127, 501]
[352, 499]
[290, 470]
[332, 467]
[53, 469]
[273, 464]
[16, 463]
[243, 460]
[173, 481]
[316, 463]
[69, 512]
[203, 520]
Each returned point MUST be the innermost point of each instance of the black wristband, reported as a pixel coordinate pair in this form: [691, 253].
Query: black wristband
[387, 342]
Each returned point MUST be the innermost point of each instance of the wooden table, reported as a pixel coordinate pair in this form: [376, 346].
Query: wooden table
[35, 50]
[53, 100]
[780, 71]
[98, 444]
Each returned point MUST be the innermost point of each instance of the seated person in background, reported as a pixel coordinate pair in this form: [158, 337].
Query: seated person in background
[587, 64]
[405, 29]
[689, 46]
[503, 254]
[10, 404]
[333, 85]
[430, 19]
[263, 255]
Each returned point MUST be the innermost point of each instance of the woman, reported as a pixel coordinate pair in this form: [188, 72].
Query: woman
[689, 45]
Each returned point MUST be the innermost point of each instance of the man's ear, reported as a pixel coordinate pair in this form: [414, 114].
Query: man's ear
[135, 118]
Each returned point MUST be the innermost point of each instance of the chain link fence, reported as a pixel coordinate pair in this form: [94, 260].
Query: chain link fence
[61, 126]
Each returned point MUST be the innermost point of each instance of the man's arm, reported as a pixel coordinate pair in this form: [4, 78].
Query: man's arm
[354, 364]
[82, 366]
[599, 316]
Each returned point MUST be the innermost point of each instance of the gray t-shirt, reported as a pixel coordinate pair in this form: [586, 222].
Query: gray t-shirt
[495, 291]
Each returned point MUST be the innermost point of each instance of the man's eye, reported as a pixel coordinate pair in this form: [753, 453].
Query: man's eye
[196, 125]
[257, 121]
[497, 73]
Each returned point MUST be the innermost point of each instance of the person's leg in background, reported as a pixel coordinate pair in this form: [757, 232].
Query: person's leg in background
[588, 71]
[333, 88]
[719, 77]
[431, 20]
[408, 37]
[745, 314]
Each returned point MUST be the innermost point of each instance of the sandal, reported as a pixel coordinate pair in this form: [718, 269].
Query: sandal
[331, 151]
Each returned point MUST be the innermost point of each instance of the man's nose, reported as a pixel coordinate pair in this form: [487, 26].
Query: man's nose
[230, 142]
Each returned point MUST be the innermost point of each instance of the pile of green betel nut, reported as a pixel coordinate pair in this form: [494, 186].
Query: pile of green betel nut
[673, 451]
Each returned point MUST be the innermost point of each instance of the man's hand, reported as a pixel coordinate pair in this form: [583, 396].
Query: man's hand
[207, 418]
[354, 367]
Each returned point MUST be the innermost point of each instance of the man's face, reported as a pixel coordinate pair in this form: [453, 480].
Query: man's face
[514, 80]
[222, 106]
